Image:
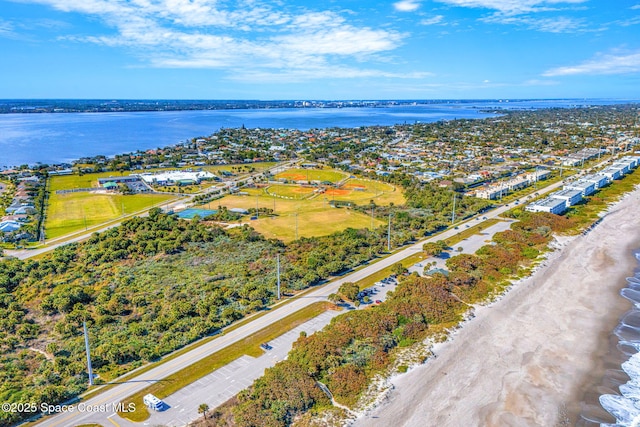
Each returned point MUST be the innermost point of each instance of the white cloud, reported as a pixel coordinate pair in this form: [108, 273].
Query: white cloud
[628, 22]
[5, 27]
[300, 75]
[433, 20]
[635, 7]
[207, 34]
[511, 7]
[524, 13]
[406, 5]
[613, 63]
[550, 25]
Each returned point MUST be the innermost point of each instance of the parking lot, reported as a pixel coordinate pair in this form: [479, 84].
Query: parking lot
[216, 388]
[469, 246]
[377, 293]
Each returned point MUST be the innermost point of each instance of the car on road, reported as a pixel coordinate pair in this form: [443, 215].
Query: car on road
[378, 301]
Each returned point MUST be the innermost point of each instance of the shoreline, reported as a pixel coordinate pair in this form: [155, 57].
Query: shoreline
[533, 355]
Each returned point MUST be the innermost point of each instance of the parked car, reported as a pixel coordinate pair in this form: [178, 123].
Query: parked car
[265, 346]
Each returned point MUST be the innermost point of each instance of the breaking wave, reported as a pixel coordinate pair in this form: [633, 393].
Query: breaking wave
[624, 404]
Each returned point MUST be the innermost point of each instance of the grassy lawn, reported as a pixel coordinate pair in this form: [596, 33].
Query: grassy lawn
[69, 182]
[312, 223]
[290, 191]
[312, 175]
[67, 213]
[249, 346]
[315, 216]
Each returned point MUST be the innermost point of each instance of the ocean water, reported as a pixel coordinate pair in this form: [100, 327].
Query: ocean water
[620, 396]
[63, 137]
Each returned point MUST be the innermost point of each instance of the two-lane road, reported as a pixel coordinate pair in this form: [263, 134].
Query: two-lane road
[278, 312]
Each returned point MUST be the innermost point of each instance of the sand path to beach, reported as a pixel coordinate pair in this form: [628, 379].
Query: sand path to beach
[524, 360]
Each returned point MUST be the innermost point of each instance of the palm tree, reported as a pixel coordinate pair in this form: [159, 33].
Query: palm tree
[202, 409]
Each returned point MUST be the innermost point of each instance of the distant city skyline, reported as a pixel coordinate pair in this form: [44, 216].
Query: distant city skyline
[332, 49]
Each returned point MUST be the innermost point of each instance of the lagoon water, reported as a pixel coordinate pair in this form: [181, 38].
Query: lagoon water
[63, 137]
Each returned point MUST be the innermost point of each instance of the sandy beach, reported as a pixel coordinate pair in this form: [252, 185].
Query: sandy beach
[529, 358]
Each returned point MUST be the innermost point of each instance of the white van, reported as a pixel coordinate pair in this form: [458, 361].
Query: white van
[153, 402]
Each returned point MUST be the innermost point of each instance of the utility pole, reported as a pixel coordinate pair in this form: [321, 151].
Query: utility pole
[453, 211]
[296, 225]
[86, 344]
[371, 217]
[389, 235]
[278, 264]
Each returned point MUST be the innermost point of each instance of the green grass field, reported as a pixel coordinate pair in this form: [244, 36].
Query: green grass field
[312, 223]
[68, 213]
[69, 182]
[290, 191]
[71, 212]
[362, 190]
[315, 216]
[330, 175]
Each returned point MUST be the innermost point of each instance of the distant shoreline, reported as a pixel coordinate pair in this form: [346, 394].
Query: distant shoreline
[60, 106]
[62, 138]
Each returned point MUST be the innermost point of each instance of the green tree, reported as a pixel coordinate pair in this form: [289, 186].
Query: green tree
[349, 290]
[202, 409]
[398, 268]
[434, 248]
[334, 298]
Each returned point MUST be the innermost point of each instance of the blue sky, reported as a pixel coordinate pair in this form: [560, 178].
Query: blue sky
[328, 49]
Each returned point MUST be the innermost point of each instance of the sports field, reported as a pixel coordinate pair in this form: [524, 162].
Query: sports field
[312, 175]
[69, 182]
[290, 191]
[313, 213]
[363, 190]
[71, 212]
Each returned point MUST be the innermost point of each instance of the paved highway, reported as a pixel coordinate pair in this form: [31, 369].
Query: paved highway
[122, 391]
[175, 205]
